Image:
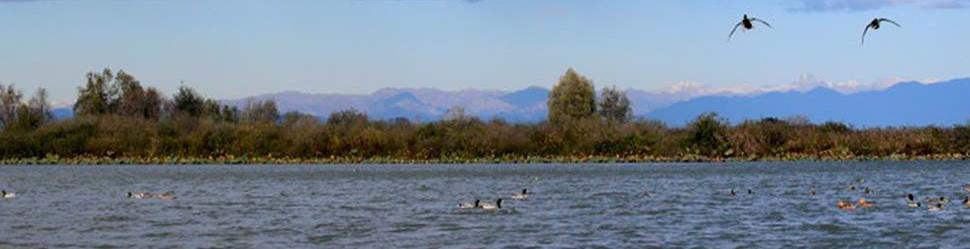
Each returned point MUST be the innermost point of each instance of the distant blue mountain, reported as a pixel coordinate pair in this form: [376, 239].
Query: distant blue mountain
[904, 104]
[527, 97]
[63, 112]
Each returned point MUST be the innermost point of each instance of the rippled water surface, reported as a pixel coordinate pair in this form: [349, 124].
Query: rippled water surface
[630, 205]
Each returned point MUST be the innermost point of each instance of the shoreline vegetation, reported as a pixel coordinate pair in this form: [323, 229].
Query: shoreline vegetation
[117, 121]
[493, 160]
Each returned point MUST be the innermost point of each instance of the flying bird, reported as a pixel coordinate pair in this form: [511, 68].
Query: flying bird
[874, 25]
[747, 24]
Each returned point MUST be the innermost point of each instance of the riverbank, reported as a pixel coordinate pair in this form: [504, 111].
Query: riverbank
[91, 160]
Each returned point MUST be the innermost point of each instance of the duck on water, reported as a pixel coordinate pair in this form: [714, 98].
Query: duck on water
[468, 205]
[148, 195]
[521, 196]
[911, 201]
[490, 206]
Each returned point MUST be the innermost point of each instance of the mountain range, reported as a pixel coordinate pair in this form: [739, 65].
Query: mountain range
[908, 103]
[903, 104]
[428, 104]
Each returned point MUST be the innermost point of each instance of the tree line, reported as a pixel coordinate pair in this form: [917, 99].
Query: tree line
[116, 117]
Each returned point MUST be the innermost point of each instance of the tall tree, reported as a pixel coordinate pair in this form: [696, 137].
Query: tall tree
[131, 101]
[34, 113]
[152, 104]
[261, 111]
[10, 101]
[708, 135]
[187, 102]
[95, 97]
[572, 98]
[229, 114]
[15, 114]
[39, 106]
[614, 106]
[212, 109]
[347, 117]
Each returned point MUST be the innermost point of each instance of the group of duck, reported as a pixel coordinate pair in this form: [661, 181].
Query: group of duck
[131, 195]
[747, 23]
[478, 204]
[934, 204]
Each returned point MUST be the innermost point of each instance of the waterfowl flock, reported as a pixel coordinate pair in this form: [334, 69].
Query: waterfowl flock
[934, 203]
[478, 204]
[733, 193]
[747, 23]
[937, 203]
[131, 195]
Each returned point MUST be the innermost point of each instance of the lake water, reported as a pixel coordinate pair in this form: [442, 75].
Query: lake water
[393, 206]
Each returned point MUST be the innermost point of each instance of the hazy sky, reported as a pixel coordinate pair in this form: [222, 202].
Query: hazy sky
[234, 48]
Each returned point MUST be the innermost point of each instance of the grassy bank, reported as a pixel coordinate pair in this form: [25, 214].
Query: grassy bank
[91, 160]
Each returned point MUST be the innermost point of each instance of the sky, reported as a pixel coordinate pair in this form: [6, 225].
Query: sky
[238, 48]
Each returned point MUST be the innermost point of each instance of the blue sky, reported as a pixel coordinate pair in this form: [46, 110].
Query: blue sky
[235, 48]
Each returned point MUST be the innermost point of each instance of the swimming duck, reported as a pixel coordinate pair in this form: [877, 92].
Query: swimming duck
[851, 187]
[864, 203]
[139, 195]
[166, 196]
[4, 194]
[844, 205]
[750, 192]
[937, 207]
[746, 24]
[966, 201]
[867, 191]
[521, 196]
[915, 204]
[911, 201]
[812, 193]
[941, 200]
[467, 205]
[733, 193]
[874, 25]
[489, 206]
